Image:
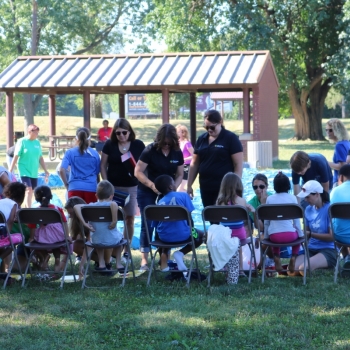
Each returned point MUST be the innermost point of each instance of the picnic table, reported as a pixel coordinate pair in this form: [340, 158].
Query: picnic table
[58, 145]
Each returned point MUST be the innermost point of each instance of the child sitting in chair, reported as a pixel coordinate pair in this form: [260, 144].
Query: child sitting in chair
[103, 233]
[175, 231]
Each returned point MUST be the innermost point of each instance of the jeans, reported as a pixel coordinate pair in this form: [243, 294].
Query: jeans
[145, 198]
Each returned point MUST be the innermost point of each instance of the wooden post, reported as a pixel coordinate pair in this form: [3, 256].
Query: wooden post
[9, 119]
[246, 111]
[193, 117]
[52, 122]
[86, 97]
[165, 106]
[121, 105]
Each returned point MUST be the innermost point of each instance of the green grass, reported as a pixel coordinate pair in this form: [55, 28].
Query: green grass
[279, 314]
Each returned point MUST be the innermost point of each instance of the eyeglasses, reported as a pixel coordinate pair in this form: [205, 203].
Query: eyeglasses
[210, 127]
[260, 186]
[37, 129]
[118, 133]
[329, 130]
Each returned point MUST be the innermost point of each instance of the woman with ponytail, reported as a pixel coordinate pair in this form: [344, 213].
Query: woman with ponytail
[85, 167]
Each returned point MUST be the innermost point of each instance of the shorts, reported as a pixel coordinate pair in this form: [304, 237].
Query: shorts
[328, 253]
[131, 208]
[29, 181]
[186, 169]
[88, 197]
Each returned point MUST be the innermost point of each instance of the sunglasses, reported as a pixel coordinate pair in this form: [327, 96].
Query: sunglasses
[35, 129]
[260, 186]
[167, 144]
[210, 127]
[329, 130]
[118, 133]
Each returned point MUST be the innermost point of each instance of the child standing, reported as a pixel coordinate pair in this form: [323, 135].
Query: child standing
[104, 233]
[230, 193]
[175, 231]
[51, 233]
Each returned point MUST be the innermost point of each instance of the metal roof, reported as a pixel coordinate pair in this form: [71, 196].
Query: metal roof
[147, 72]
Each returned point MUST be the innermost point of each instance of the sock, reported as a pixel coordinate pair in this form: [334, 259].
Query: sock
[179, 258]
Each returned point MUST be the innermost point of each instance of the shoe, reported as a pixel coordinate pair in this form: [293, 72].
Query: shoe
[271, 272]
[77, 260]
[144, 268]
[126, 259]
[347, 262]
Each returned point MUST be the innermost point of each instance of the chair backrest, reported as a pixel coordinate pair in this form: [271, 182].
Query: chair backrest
[280, 212]
[223, 213]
[167, 213]
[339, 211]
[39, 216]
[96, 213]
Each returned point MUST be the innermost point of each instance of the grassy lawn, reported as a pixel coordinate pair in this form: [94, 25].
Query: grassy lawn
[279, 314]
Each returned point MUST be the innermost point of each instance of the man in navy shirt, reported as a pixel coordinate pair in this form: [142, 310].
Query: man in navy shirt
[312, 166]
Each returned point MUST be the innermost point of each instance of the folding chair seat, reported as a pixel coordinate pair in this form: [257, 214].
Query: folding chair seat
[104, 214]
[283, 212]
[44, 216]
[228, 213]
[169, 213]
[11, 242]
[339, 211]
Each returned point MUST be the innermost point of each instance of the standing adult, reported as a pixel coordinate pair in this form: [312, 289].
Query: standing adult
[121, 174]
[162, 157]
[187, 151]
[103, 134]
[312, 166]
[28, 154]
[338, 134]
[216, 152]
[84, 165]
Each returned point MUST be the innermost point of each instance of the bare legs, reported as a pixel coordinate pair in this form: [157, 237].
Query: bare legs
[29, 197]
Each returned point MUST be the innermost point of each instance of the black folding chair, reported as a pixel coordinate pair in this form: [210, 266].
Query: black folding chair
[339, 211]
[229, 213]
[283, 212]
[44, 216]
[12, 246]
[104, 214]
[169, 213]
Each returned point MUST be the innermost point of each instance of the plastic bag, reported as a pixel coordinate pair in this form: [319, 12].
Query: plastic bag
[247, 259]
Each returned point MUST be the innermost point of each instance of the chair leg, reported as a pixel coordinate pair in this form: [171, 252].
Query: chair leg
[131, 262]
[336, 269]
[263, 257]
[27, 267]
[210, 274]
[152, 267]
[88, 255]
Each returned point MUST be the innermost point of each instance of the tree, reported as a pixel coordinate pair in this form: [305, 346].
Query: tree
[47, 27]
[308, 40]
[176, 101]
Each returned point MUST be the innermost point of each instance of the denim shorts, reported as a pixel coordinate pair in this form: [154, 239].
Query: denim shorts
[328, 253]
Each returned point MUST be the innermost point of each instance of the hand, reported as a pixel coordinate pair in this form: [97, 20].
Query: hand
[263, 196]
[153, 188]
[89, 227]
[190, 191]
[112, 225]
[47, 174]
[250, 208]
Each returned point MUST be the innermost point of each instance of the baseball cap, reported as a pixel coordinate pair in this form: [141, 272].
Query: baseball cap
[309, 187]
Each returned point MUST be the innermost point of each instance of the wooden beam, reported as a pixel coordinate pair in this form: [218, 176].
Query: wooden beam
[86, 97]
[246, 111]
[165, 106]
[52, 121]
[9, 119]
[193, 115]
[121, 105]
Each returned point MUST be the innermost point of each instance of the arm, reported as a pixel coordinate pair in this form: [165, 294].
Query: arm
[140, 175]
[64, 177]
[12, 217]
[237, 160]
[348, 159]
[13, 164]
[65, 224]
[4, 179]
[179, 175]
[327, 236]
[42, 163]
[336, 166]
[325, 186]
[77, 210]
[296, 190]
[192, 173]
[103, 166]
[114, 210]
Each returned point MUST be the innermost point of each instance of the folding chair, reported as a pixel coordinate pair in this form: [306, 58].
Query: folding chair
[169, 213]
[11, 246]
[95, 213]
[228, 213]
[339, 211]
[283, 212]
[44, 216]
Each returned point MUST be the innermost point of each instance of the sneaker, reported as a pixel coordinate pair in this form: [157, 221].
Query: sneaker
[347, 262]
[126, 259]
[77, 260]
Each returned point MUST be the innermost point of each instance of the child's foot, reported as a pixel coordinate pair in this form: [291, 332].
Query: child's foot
[291, 266]
[179, 258]
[278, 265]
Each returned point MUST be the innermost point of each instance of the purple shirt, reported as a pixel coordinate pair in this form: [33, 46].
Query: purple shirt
[186, 153]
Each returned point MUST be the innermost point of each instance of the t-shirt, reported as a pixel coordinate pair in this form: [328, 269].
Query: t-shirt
[215, 158]
[104, 134]
[340, 153]
[6, 206]
[319, 171]
[317, 220]
[254, 202]
[117, 173]
[84, 169]
[186, 153]
[175, 231]
[341, 194]
[158, 164]
[29, 153]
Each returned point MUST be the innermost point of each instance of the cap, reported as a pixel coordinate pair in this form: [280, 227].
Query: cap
[309, 187]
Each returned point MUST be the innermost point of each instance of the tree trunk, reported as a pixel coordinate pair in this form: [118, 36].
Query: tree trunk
[98, 107]
[28, 111]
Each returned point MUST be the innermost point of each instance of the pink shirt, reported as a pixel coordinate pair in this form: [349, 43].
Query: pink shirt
[185, 145]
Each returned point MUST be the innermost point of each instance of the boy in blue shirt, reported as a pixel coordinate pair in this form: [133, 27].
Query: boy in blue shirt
[175, 231]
